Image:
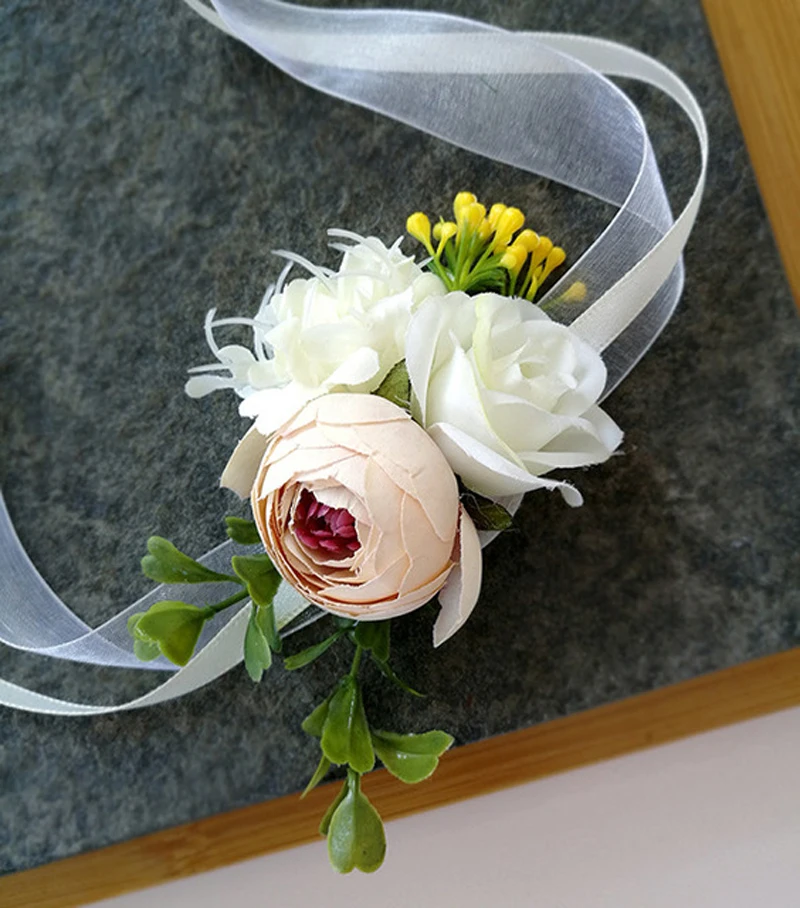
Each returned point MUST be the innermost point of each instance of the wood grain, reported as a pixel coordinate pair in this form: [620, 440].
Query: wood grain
[757, 44]
[756, 41]
[704, 703]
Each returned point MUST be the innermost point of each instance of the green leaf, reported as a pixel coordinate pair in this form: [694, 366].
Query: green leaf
[374, 636]
[305, 656]
[314, 723]
[485, 513]
[259, 576]
[143, 648]
[165, 564]
[257, 652]
[388, 671]
[345, 735]
[242, 531]
[411, 758]
[144, 651]
[265, 616]
[262, 581]
[321, 771]
[325, 822]
[355, 835]
[175, 627]
[396, 387]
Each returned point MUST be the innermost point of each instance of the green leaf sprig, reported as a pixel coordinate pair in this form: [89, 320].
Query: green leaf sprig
[353, 827]
[172, 628]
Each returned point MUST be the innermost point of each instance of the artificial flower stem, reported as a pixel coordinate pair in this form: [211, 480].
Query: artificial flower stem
[356, 661]
[227, 603]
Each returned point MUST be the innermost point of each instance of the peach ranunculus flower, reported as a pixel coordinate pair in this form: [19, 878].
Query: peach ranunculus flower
[359, 511]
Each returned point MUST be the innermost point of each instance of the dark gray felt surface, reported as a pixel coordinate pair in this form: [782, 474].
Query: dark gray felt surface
[149, 164]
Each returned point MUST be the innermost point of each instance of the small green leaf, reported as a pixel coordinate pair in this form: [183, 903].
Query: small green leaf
[143, 648]
[265, 616]
[314, 723]
[374, 636]
[485, 513]
[242, 531]
[145, 651]
[321, 771]
[175, 627]
[259, 576]
[133, 622]
[355, 835]
[166, 564]
[345, 735]
[388, 671]
[326, 819]
[411, 758]
[257, 652]
[305, 656]
[396, 387]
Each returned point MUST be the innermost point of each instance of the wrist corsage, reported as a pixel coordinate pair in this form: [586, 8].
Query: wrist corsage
[400, 410]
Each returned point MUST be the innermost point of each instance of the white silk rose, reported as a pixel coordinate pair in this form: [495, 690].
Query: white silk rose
[359, 511]
[333, 331]
[506, 393]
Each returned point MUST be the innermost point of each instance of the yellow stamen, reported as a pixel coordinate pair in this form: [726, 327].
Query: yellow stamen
[461, 201]
[527, 238]
[440, 228]
[507, 224]
[575, 293]
[419, 227]
[494, 213]
[553, 260]
[470, 217]
[443, 231]
[514, 258]
[540, 253]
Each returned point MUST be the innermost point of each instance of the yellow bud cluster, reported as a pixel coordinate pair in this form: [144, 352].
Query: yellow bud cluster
[476, 248]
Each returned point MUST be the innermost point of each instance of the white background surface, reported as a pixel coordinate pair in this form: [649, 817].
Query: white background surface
[710, 821]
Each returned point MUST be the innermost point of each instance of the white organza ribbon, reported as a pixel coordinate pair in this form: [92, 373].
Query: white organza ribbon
[537, 101]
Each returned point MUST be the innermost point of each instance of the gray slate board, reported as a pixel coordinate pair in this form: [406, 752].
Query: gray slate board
[149, 166]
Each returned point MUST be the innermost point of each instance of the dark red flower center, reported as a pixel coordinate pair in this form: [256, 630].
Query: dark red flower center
[325, 529]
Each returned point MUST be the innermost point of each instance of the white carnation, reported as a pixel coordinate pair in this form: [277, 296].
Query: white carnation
[333, 331]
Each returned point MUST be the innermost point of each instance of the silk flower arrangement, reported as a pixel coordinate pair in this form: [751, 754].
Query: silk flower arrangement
[399, 408]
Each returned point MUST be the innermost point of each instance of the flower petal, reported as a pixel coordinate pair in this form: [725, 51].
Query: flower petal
[460, 593]
[487, 473]
[272, 407]
[240, 471]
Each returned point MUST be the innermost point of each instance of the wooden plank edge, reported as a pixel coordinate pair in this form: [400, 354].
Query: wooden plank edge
[647, 720]
[756, 41]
